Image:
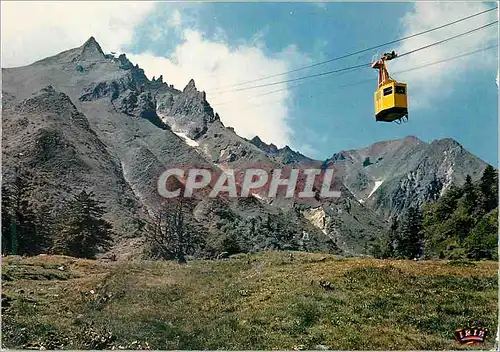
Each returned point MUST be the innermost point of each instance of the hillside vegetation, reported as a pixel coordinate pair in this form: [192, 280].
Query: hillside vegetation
[86, 127]
[461, 224]
[272, 300]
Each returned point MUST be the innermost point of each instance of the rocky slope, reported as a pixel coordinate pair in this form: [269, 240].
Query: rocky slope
[345, 220]
[85, 118]
[283, 155]
[391, 176]
[47, 135]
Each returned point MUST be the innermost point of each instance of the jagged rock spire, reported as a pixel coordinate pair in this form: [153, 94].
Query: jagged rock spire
[190, 86]
[91, 50]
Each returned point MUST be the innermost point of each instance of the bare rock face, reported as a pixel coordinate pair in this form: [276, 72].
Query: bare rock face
[81, 119]
[284, 155]
[91, 50]
[47, 135]
[142, 105]
[391, 176]
[86, 119]
[189, 111]
[269, 149]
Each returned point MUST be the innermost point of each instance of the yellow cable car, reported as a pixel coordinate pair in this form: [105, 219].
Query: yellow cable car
[391, 102]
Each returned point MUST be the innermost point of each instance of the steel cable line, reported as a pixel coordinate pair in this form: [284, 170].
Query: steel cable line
[360, 51]
[370, 80]
[447, 39]
[274, 91]
[360, 65]
[397, 72]
[365, 65]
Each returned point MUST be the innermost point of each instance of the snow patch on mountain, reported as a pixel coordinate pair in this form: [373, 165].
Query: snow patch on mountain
[377, 185]
[187, 140]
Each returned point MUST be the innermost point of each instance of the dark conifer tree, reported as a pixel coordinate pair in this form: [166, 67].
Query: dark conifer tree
[82, 231]
[488, 188]
[410, 239]
[470, 196]
[21, 225]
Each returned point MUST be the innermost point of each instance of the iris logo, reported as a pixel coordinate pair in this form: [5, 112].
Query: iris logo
[474, 334]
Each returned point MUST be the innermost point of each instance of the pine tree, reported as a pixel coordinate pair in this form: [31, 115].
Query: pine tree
[482, 243]
[9, 239]
[410, 240]
[25, 217]
[280, 230]
[45, 225]
[392, 238]
[489, 189]
[448, 203]
[384, 247]
[470, 196]
[21, 230]
[231, 243]
[434, 189]
[82, 230]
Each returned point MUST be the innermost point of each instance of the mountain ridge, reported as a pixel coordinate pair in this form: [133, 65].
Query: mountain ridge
[146, 125]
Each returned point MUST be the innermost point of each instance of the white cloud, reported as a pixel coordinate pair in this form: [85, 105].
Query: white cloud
[34, 30]
[427, 86]
[214, 66]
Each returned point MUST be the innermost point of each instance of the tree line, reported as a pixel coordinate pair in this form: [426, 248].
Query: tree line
[173, 235]
[76, 229]
[462, 223]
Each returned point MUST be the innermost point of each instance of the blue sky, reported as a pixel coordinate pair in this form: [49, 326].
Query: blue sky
[222, 44]
[327, 115]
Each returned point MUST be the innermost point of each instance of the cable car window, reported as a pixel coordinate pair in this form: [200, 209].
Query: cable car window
[400, 90]
[387, 91]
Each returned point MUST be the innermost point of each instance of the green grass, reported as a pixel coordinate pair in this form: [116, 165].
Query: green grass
[262, 301]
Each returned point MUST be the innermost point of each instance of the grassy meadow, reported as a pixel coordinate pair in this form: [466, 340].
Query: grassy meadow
[271, 301]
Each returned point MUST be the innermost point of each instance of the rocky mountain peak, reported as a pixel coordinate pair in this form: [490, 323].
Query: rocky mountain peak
[158, 80]
[191, 86]
[412, 138]
[91, 50]
[446, 143]
[447, 146]
[191, 91]
[338, 156]
[285, 155]
[288, 155]
[45, 100]
[189, 111]
[270, 149]
[125, 63]
[257, 141]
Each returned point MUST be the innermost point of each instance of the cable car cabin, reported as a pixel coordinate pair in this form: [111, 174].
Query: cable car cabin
[391, 102]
